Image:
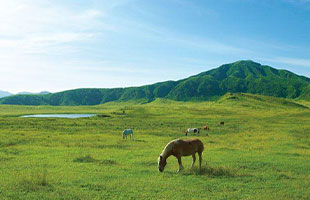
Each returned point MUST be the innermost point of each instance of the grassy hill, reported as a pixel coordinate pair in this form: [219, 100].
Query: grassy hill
[259, 101]
[241, 76]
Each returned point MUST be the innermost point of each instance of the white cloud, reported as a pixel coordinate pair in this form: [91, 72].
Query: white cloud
[287, 60]
[51, 45]
[32, 32]
[35, 26]
[292, 61]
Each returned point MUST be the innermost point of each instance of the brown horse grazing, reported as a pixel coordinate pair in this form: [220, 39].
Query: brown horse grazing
[206, 128]
[179, 148]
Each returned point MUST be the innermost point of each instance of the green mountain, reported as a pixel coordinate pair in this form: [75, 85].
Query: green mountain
[238, 77]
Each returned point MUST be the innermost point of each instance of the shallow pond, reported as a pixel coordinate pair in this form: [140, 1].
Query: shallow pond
[71, 116]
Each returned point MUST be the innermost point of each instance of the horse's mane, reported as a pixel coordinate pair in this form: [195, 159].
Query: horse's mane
[169, 147]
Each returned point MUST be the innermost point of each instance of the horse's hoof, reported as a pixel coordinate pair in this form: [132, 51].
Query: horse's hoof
[180, 170]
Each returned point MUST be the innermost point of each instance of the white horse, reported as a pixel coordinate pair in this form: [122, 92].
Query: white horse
[127, 132]
[192, 130]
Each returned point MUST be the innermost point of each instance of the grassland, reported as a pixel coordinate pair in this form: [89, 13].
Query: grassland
[262, 151]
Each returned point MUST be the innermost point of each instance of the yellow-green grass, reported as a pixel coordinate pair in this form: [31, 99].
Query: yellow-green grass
[262, 151]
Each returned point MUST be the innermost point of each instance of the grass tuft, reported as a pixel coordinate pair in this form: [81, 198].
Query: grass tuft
[33, 182]
[284, 176]
[213, 171]
[108, 162]
[85, 159]
[89, 159]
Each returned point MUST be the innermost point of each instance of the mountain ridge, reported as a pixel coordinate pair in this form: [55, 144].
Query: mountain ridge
[239, 77]
[31, 93]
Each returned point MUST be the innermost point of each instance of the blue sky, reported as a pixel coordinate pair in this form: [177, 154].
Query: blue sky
[66, 44]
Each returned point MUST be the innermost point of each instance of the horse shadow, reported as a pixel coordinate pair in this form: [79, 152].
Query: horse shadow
[211, 171]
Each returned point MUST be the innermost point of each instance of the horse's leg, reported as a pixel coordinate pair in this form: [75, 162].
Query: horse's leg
[200, 159]
[180, 164]
[194, 159]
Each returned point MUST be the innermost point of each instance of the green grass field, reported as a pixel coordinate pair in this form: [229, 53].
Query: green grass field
[262, 151]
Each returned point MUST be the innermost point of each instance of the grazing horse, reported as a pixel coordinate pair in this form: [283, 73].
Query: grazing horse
[192, 130]
[127, 132]
[179, 148]
[221, 123]
[206, 128]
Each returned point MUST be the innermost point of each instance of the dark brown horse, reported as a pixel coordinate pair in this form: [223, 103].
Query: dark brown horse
[179, 148]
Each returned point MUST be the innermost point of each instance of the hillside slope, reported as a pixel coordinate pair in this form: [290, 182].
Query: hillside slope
[241, 76]
[257, 101]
